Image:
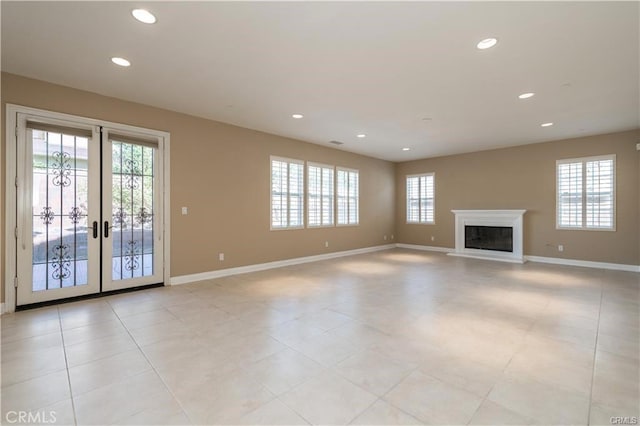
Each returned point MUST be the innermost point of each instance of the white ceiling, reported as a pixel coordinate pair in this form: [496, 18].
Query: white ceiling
[377, 68]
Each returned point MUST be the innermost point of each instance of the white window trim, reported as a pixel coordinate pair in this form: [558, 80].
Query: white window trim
[346, 169]
[287, 160]
[326, 166]
[433, 222]
[11, 220]
[584, 160]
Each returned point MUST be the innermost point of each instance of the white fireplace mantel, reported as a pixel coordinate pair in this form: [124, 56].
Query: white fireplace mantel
[508, 218]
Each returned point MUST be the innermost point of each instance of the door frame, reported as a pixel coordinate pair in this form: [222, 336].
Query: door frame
[12, 232]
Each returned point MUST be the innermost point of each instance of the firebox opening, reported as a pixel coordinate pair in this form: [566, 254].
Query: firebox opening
[497, 238]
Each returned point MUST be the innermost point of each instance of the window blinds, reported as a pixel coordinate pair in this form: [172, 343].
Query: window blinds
[586, 193]
[320, 189]
[287, 191]
[348, 196]
[420, 199]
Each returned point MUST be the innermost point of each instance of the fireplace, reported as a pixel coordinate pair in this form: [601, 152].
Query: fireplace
[499, 238]
[489, 234]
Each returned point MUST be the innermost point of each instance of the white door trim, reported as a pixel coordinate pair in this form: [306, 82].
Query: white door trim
[11, 193]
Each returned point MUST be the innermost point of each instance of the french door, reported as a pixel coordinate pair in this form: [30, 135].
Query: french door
[89, 209]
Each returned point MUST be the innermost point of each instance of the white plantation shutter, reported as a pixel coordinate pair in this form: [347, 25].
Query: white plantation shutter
[341, 194]
[319, 195]
[413, 199]
[328, 209]
[420, 198]
[287, 193]
[570, 195]
[599, 194]
[586, 193]
[353, 198]
[348, 196]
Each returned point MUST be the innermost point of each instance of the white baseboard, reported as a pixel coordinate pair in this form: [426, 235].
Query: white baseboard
[584, 263]
[493, 258]
[184, 279]
[540, 259]
[425, 248]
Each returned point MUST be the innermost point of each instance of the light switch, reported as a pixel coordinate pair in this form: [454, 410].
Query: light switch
[185, 210]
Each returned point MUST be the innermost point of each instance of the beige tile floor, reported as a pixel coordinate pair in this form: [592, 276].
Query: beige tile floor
[393, 337]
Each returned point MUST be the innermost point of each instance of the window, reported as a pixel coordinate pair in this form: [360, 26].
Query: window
[420, 198]
[348, 196]
[319, 195]
[287, 193]
[586, 193]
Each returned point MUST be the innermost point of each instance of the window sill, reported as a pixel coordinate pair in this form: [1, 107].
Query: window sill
[564, 228]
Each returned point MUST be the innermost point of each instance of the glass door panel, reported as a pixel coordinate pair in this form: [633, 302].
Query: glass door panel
[134, 252]
[58, 253]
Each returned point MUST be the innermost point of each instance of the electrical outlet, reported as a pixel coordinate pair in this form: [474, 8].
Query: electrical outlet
[560, 247]
[392, 236]
[433, 238]
[221, 257]
[385, 238]
[326, 243]
[185, 210]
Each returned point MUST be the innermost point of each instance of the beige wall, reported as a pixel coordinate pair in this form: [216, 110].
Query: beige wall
[524, 178]
[221, 173]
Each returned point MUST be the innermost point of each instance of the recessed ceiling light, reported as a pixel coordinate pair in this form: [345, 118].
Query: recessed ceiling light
[526, 95]
[406, 149]
[144, 16]
[297, 115]
[120, 61]
[487, 43]
[546, 124]
[361, 135]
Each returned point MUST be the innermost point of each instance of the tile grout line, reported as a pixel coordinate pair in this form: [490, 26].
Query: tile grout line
[66, 362]
[151, 365]
[288, 406]
[595, 352]
[327, 368]
[334, 370]
[382, 398]
[293, 387]
[523, 344]
[365, 409]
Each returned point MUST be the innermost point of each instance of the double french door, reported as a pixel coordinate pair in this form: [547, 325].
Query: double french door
[89, 209]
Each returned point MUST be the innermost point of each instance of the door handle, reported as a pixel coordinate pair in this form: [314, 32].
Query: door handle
[95, 229]
[106, 229]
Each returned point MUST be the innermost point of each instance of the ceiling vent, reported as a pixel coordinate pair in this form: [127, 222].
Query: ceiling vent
[336, 142]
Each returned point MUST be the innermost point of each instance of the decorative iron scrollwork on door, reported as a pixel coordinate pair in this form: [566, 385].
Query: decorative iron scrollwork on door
[75, 215]
[47, 215]
[61, 168]
[120, 218]
[60, 261]
[132, 172]
[144, 216]
[131, 256]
